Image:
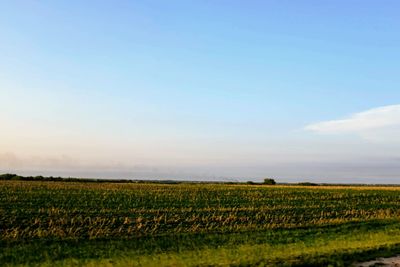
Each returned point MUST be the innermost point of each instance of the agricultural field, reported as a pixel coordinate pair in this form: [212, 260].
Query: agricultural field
[55, 223]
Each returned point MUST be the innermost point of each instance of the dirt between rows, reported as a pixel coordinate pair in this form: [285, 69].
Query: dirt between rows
[392, 262]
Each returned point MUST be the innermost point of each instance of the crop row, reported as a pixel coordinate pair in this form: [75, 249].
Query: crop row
[73, 210]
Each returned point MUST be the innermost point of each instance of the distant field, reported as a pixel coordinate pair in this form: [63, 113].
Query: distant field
[126, 224]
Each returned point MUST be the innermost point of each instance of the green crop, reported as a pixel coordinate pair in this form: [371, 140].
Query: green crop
[152, 222]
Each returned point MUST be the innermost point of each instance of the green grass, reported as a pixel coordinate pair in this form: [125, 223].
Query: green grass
[57, 223]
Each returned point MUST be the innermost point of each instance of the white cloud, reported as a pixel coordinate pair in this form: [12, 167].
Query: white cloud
[379, 124]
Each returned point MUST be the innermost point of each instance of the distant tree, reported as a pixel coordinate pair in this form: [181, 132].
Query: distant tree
[249, 182]
[308, 184]
[9, 176]
[269, 181]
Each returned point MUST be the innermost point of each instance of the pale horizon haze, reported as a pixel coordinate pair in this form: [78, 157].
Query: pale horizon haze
[201, 90]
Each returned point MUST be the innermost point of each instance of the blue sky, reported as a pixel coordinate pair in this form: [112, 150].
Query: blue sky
[298, 90]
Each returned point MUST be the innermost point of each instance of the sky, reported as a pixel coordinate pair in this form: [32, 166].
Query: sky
[201, 90]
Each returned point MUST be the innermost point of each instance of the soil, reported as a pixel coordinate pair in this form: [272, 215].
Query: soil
[392, 262]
